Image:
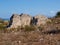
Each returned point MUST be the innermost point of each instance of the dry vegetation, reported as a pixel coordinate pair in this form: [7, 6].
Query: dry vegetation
[48, 34]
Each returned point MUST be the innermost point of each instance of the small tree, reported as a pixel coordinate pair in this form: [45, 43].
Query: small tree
[58, 14]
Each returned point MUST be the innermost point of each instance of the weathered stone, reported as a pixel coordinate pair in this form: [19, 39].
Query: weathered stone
[41, 20]
[25, 19]
[15, 21]
[19, 20]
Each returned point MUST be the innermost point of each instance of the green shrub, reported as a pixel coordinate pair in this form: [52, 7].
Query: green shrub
[2, 26]
[58, 14]
[29, 28]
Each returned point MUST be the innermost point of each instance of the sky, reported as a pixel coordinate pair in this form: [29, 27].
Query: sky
[31, 7]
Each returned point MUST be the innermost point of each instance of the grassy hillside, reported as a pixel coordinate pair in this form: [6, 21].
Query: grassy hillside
[48, 34]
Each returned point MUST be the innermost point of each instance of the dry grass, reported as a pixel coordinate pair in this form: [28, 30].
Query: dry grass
[44, 35]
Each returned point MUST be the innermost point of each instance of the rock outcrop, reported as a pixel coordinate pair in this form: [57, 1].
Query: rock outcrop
[41, 20]
[25, 19]
[19, 20]
[15, 21]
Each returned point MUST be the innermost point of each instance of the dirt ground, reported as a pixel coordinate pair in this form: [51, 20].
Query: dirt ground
[29, 38]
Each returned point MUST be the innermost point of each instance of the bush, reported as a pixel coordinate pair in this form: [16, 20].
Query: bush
[40, 28]
[2, 26]
[58, 14]
[49, 22]
[29, 28]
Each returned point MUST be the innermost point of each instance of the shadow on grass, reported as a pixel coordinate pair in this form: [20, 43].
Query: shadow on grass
[52, 32]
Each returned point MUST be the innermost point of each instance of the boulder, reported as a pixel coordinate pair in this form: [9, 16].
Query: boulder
[25, 19]
[41, 19]
[19, 20]
[15, 21]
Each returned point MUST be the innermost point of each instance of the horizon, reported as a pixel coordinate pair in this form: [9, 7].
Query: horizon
[48, 8]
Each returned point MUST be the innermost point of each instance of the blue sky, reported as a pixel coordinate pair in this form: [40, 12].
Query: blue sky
[32, 7]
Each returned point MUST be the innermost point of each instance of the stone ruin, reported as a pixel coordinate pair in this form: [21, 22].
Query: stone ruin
[25, 19]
